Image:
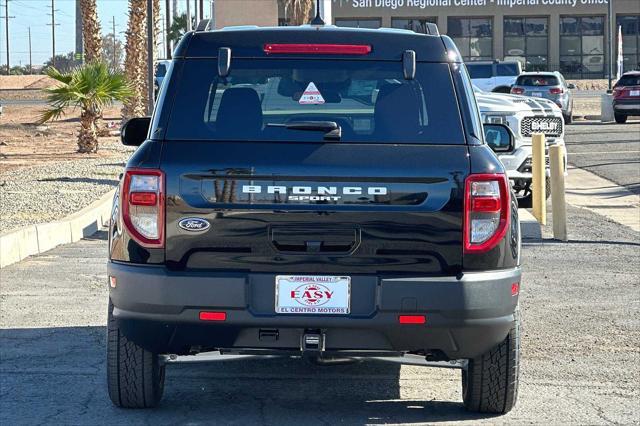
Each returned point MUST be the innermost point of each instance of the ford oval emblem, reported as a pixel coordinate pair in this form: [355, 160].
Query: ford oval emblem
[194, 224]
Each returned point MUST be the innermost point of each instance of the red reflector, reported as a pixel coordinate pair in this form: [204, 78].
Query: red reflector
[213, 316]
[517, 90]
[318, 49]
[143, 198]
[556, 90]
[412, 319]
[515, 289]
[485, 204]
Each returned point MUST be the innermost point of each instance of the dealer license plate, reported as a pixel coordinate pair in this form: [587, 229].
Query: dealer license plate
[313, 294]
[634, 92]
[536, 94]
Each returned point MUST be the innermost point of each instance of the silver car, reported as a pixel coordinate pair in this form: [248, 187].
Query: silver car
[547, 85]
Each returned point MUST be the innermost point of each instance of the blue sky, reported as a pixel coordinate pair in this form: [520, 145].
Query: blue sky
[36, 14]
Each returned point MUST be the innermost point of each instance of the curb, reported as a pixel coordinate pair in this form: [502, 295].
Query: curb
[529, 226]
[35, 239]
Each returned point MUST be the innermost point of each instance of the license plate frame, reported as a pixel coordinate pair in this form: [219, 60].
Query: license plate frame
[307, 295]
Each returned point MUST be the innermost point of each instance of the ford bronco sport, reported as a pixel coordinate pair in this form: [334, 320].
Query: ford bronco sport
[318, 192]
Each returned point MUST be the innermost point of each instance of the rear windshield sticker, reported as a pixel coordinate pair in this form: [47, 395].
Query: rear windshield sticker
[311, 96]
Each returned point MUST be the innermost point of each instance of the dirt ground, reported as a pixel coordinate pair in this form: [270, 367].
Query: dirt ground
[24, 82]
[24, 143]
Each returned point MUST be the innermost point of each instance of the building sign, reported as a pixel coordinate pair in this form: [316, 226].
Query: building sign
[425, 4]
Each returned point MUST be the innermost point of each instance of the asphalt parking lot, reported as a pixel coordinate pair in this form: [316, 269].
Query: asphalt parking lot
[581, 344]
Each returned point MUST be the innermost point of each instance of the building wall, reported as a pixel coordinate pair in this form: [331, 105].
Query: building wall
[496, 10]
[263, 13]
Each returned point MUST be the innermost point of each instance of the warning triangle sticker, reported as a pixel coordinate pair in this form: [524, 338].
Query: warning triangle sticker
[311, 96]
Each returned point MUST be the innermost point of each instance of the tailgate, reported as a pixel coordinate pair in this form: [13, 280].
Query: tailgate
[315, 208]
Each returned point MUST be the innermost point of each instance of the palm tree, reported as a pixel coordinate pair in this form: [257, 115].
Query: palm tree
[135, 62]
[90, 88]
[298, 11]
[92, 41]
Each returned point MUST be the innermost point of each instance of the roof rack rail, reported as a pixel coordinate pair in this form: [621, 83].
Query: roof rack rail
[432, 29]
[203, 25]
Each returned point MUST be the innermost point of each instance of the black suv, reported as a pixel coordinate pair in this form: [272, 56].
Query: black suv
[319, 192]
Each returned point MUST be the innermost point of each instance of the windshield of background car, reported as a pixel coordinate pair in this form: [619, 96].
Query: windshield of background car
[628, 80]
[537, 80]
[370, 101]
[507, 69]
[480, 70]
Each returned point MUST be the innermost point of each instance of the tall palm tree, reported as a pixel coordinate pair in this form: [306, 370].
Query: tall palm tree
[298, 11]
[135, 62]
[90, 88]
[92, 41]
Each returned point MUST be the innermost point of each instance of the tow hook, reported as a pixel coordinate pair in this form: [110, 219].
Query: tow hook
[312, 341]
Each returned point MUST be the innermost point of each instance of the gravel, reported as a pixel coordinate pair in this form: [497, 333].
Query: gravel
[51, 191]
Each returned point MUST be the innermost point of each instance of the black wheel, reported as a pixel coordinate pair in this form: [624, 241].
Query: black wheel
[568, 117]
[620, 118]
[526, 201]
[135, 377]
[490, 381]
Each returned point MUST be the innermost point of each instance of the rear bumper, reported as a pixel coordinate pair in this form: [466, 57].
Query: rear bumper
[159, 309]
[627, 106]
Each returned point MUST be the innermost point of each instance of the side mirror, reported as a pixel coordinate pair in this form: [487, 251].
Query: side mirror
[571, 86]
[499, 137]
[135, 131]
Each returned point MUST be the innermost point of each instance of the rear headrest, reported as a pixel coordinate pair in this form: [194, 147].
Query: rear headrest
[240, 114]
[397, 112]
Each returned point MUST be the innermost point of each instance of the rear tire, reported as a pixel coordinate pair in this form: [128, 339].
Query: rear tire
[490, 381]
[135, 377]
[620, 118]
[568, 118]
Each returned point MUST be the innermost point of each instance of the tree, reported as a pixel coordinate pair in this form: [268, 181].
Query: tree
[64, 63]
[178, 29]
[91, 41]
[112, 54]
[298, 11]
[135, 62]
[90, 87]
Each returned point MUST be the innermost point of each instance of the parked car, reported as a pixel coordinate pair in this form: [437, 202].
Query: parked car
[626, 96]
[494, 76]
[547, 85]
[160, 71]
[294, 226]
[524, 116]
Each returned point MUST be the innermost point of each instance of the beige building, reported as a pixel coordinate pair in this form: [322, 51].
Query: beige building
[565, 35]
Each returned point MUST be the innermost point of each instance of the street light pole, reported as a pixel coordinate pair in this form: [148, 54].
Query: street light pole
[30, 63]
[150, 56]
[610, 37]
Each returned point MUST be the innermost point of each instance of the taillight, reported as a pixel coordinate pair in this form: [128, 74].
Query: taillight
[556, 90]
[517, 90]
[143, 206]
[317, 49]
[618, 91]
[486, 211]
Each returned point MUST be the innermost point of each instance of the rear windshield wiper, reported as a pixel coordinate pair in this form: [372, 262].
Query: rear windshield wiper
[332, 130]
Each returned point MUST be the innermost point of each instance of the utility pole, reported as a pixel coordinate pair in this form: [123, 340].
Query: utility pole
[167, 23]
[609, 42]
[30, 63]
[53, 33]
[113, 23]
[150, 49]
[212, 24]
[6, 24]
[188, 15]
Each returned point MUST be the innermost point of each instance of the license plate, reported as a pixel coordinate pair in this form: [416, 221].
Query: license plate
[634, 92]
[313, 294]
[536, 94]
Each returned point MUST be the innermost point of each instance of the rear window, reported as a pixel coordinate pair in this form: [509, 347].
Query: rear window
[537, 80]
[628, 80]
[370, 101]
[507, 69]
[480, 70]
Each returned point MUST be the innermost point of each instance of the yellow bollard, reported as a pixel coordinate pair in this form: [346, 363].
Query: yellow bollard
[558, 205]
[538, 183]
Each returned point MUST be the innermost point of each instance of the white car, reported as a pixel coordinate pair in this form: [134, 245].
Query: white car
[524, 116]
[494, 76]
